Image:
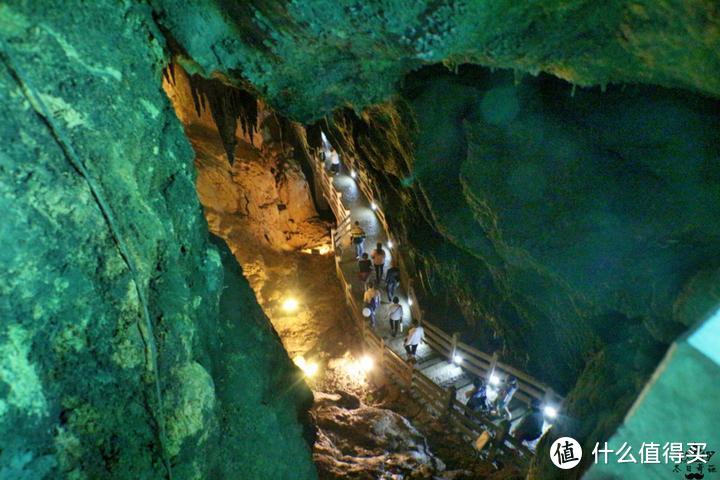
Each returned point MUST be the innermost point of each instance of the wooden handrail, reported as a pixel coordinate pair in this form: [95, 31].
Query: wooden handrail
[474, 361]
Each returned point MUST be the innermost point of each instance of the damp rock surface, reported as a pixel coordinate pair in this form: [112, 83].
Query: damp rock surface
[263, 190]
[310, 58]
[130, 345]
[569, 230]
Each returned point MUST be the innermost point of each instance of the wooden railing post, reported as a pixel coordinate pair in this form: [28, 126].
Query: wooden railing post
[450, 400]
[453, 350]
[382, 354]
[549, 397]
[493, 364]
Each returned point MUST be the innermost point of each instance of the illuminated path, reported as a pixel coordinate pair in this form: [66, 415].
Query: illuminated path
[433, 365]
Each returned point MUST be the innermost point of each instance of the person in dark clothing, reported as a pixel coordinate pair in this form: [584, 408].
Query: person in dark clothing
[392, 280]
[357, 237]
[364, 267]
[530, 427]
[478, 396]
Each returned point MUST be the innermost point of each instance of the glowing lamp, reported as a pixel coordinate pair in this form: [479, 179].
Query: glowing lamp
[390, 244]
[353, 174]
[311, 369]
[550, 412]
[457, 359]
[290, 305]
[308, 368]
[494, 380]
[367, 363]
[374, 206]
[410, 302]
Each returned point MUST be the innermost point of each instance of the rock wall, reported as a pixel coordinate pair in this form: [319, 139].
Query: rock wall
[578, 230]
[264, 192]
[309, 58]
[572, 231]
[130, 347]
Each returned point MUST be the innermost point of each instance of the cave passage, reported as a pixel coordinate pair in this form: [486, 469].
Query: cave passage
[295, 283]
[181, 298]
[452, 371]
[305, 300]
[262, 197]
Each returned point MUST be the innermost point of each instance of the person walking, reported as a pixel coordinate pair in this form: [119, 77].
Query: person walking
[478, 396]
[415, 335]
[334, 161]
[530, 427]
[357, 237]
[506, 396]
[392, 279]
[378, 259]
[371, 298]
[395, 315]
[364, 267]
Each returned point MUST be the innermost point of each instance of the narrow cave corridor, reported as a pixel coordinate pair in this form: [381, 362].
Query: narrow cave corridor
[361, 432]
[188, 189]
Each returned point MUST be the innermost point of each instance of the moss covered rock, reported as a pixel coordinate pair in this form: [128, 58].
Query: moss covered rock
[114, 358]
[309, 58]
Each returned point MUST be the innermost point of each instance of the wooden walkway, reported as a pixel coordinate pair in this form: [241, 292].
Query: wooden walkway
[443, 360]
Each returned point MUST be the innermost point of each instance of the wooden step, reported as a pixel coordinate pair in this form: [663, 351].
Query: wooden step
[429, 362]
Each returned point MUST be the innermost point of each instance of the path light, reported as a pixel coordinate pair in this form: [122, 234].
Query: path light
[457, 359]
[353, 174]
[308, 368]
[290, 304]
[311, 369]
[374, 206]
[550, 412]
[367, 363]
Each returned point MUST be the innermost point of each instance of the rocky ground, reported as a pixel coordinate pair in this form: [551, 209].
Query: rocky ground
[363, 424]
[366, 428]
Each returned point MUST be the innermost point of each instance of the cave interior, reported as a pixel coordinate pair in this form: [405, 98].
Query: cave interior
[549, 176]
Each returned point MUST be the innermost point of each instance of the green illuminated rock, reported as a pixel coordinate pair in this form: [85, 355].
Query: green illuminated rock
[311, 57]
[130, 346]
[575, 233]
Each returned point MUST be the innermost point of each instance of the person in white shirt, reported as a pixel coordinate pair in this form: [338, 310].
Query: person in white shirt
[415, 335]
[334, 161]
[395, 315]
[371, 298]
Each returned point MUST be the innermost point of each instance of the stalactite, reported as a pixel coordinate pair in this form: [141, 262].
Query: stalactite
[227, 105]
[168, 73]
